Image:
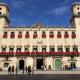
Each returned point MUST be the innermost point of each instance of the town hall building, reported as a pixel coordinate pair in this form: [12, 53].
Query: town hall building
[40, 46]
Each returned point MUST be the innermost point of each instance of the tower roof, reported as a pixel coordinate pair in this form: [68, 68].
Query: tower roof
[4, 4]
[76, 3]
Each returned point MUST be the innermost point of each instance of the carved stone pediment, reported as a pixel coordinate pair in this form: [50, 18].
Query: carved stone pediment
[38, 25]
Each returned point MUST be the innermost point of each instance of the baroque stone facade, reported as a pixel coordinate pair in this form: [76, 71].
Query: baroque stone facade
[40, 46]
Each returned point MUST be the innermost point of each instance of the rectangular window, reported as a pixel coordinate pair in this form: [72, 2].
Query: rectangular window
[51, 35]
[60, 50]
[3, 49]
[20, 35]
[79, 13]
[73, 35]
[35, 35]
[12, 35]
[67, 49]
[52, 49]
[35, 49]
[75, 49]
[5, 35]
[18, 50]
[26, 50]
[27, 35]
[59, 34]
[43, 35]
[6, 64]
[72, 57]
[43, 49]
[66, 35]
[11, 50]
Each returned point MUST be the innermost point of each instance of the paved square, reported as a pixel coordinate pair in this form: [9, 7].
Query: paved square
[41, 77]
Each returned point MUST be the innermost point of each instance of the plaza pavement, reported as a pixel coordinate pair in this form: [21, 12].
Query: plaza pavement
[43, 72]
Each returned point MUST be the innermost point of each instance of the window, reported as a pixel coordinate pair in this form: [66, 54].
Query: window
[59, 34]
[78, 8]
[60, 50]
[11, 50]
[67, 49]
[20, 35]
[79, 13]
[66, 35]
[3, 49]
[75, 49]
[27, 35]
[35, 35]
[35, 49]
[5, 35]
[6, 64]
[51, 35]
[18, 50]
[43, 49]
[52, 49]
[72, 57]
[12, 35]
[43, 35]
[73, 35]
[26, 50]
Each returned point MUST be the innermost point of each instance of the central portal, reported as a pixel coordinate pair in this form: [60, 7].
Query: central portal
[39, 64]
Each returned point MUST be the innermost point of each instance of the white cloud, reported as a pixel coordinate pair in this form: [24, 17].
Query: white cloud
[58, 11]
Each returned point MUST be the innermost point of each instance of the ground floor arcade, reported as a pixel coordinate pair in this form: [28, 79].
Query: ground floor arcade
[40, 62]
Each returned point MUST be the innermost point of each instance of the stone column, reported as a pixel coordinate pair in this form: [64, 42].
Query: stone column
[22, 49]
[55, 48]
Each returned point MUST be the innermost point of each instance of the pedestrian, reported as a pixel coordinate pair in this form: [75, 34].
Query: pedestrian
[16, 70]
[29, 70]
[9, 69]
[12, 69]
[23, 70]
[26, 69]
[45, 67]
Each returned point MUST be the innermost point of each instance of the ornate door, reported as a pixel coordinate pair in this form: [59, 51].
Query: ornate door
[57, 64]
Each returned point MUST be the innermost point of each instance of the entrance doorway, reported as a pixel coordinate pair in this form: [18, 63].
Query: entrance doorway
[73, 65]
[39, 64]
[57, 64]
[21, 64]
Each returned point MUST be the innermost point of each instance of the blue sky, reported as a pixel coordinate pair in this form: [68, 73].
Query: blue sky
[47, 12]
